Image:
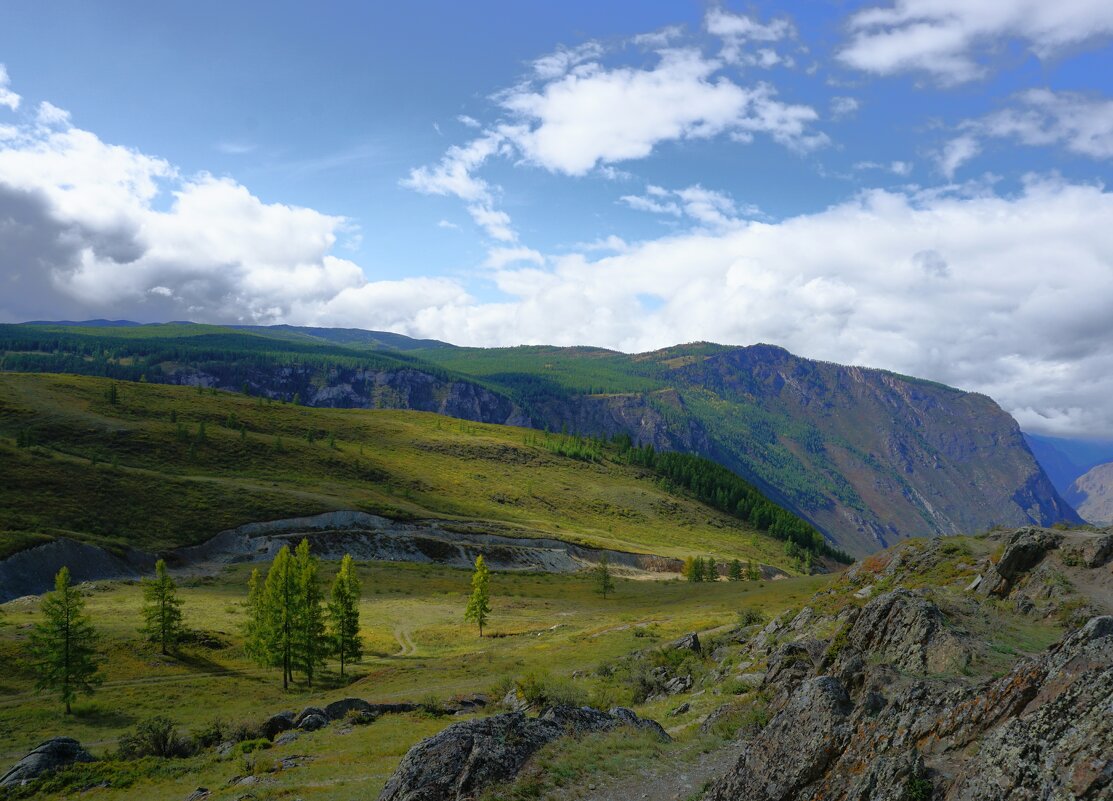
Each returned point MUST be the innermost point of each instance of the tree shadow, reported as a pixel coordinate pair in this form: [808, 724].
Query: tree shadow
[103, 717]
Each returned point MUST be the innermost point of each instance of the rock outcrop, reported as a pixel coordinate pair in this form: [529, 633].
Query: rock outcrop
[459, 762]
[908, 632]
[55, 753]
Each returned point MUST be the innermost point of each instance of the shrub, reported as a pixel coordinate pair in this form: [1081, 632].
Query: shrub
[750, 617]
[156, 737]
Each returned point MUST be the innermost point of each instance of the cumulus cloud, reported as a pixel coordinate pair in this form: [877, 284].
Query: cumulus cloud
[946, 38]
[597, 115]
[843, 106]
[7, 96]
[957, 152]
[454, 174]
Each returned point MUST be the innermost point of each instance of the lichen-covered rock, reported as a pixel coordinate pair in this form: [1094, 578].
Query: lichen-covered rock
[51, 755]
[796, 747]
[1024, 549]
[689, 642]
[909, 632]
[467, 757]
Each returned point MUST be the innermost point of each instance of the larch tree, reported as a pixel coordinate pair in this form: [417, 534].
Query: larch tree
[604, 582]
[310, 646]
[343, 614]
[275, 612]
[162, 610]
[734, 573]
[710, 569]
[64, 644]
[479, 604]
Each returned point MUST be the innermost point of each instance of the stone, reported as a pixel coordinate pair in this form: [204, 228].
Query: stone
[677, 685]
[689, 642]
[276, 724]
[338, 710]
[909, 632]
[199, 794]
[58, 752]
[680, 710]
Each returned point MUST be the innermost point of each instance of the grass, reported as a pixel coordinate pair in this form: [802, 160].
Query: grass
[261, 460]
[543, 624]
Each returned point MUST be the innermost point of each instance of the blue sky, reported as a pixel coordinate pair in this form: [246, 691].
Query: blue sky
[918, 185]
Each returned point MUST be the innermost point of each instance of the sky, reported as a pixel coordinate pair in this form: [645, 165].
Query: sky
[916, 185]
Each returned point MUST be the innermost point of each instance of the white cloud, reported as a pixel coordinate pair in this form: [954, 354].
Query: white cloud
[901, 168]
[235, 148]
[558, 63]
[659, 38]
[957, 152]
[453, 175]
[469, 122]
[51, 116]
[496, 223]
[843, 106]
[449, 225]
[497, 258]
[1006, 295]
[945, 38]
[7, 96]
[738, 30]
[597, 115]
[704, 206]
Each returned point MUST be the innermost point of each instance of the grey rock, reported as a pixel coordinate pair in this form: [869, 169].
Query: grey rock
[796, 747]
[286, 737]
[689, 642]
[340, 709]
[908, 632]
[459, 762]
[312, 722]
[308, 712]
[514, 702]
[199, 794]
[58, 752]
[466, 757]
[677, 685]
[1024, 549]
[680, 710]
[629, 718]
[276, 724]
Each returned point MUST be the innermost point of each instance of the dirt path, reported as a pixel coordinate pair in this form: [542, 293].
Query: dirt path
[667, 782]
[405, 641]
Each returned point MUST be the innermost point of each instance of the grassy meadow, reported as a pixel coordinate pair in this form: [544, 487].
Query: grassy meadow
[167, 465]
[544, 627]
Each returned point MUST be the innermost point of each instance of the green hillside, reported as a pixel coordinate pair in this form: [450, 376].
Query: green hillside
[167, 465]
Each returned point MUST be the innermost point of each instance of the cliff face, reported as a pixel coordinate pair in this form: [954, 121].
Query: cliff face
[869, 456]
[1092, 494]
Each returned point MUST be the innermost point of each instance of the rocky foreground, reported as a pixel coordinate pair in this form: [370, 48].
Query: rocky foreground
[883, 689]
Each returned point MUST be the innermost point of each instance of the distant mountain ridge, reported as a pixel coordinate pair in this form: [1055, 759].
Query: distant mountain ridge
[1092, 494]
[867, 456]
[1065, 460]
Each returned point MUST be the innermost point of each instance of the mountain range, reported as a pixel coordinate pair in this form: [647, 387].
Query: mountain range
[867, 456]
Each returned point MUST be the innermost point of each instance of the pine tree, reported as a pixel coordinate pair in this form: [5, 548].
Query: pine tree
[695, 574]
[64, 644]
[710, 569]
[162, 610]
[310, 645]
[113, 394]
[735, 571]
[343, 615]
[479, 605]
[603, 580]
[273, 604]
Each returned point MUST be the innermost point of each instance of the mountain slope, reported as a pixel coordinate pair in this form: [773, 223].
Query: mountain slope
[164, 466]
[1092, 494]
[867, 456]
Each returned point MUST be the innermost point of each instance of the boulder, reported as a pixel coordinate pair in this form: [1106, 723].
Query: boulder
[677, 685]
[629, 718]
[689, 642]
[795, 749]
[312, 722]
[276, 724]
[340, 709]
[58, 752]
[909, 632]
[467, 757]
[1024, 549]
[1093, 551]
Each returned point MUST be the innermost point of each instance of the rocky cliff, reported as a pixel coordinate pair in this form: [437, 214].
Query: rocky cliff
[885, 700]
[1092, 494]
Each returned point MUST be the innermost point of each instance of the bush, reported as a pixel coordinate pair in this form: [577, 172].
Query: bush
[211, 734]
[750, 617]
[155, 737]
[541, 691]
